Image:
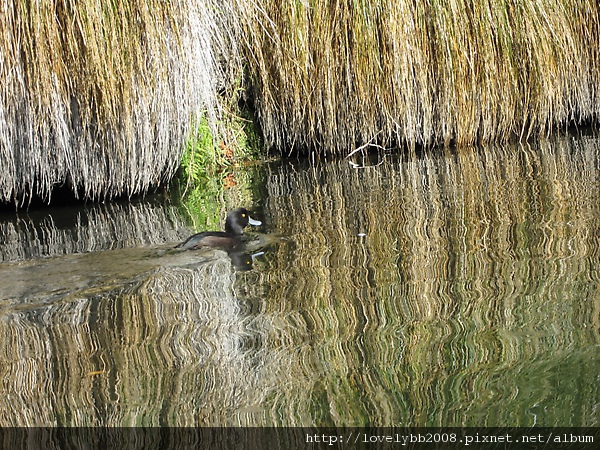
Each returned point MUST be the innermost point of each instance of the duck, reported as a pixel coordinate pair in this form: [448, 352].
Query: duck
[232, 237]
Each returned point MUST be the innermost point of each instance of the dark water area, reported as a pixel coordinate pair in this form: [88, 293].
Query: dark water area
[447, 288]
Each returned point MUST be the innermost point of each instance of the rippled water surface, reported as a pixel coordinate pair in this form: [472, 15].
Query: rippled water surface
[455, 287]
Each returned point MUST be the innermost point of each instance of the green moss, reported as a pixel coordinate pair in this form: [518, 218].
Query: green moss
[200, 155]
[217, 173]
[238, 143]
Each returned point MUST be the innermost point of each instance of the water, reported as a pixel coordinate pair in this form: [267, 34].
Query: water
[455, 287]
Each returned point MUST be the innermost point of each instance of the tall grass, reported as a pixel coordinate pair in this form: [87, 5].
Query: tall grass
[331, 75]
[101, 95]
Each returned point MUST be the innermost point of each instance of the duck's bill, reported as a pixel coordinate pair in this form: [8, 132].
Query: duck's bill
[254, 222]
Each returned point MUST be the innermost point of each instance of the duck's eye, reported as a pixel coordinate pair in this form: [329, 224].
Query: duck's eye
[243, 215]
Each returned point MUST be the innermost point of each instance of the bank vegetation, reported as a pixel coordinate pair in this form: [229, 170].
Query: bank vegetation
[103, 98]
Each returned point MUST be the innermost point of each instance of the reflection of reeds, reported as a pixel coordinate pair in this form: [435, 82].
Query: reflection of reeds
[472, 300]
[475, 265]
[334, 74]
[91, 229]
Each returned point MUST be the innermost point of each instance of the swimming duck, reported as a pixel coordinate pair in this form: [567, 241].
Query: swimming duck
[235, 223]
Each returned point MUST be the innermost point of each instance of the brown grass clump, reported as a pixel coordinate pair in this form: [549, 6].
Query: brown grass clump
[100, 96]
[331, 75]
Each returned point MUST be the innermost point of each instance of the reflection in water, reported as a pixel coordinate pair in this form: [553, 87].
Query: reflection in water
[80, 229]
[471, 299]
[449, 288]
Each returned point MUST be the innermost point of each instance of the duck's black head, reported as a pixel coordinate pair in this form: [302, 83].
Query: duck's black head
[237, 220]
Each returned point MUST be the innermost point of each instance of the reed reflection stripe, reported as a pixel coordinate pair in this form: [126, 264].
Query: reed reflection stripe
[88, 229]
[471, 300]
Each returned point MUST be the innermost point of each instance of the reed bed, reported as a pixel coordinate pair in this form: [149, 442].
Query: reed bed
[334, 75]
[102, 96]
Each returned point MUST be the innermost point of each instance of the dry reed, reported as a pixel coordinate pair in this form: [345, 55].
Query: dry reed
[331, 75]
[101, 96]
